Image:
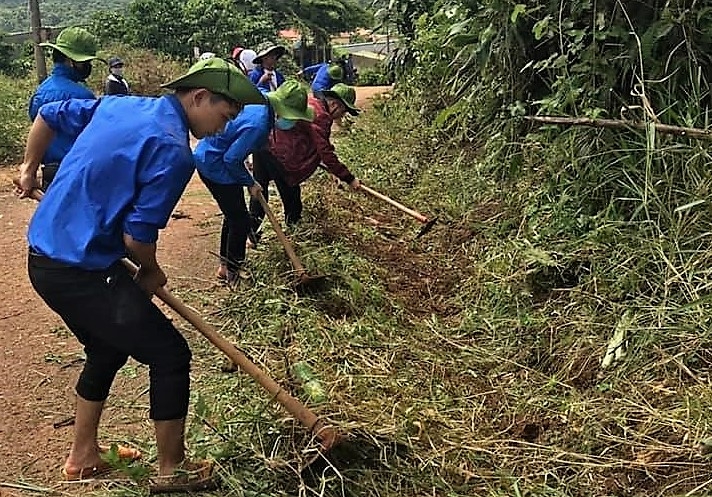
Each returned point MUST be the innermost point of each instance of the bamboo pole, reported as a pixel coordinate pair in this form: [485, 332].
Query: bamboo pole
[701, 134]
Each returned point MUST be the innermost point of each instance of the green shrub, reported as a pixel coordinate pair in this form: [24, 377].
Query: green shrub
[14, 121]
[377, 76]
[15, 61]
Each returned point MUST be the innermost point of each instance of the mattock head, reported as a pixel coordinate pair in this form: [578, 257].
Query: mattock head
[427, 227]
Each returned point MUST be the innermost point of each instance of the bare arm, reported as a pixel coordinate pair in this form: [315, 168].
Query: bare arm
[150, 276]
[38, 142]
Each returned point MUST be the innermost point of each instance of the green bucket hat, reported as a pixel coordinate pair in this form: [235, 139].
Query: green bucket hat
[335, 72]
[219, 76]
[290, 101]
[269, 49]
[76, 43]
[346, 95]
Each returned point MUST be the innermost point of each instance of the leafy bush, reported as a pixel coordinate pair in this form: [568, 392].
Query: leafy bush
[15, 61]
[14, 122]
[377, 76]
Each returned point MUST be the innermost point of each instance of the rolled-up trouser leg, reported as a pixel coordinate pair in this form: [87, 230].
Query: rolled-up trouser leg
[98, 374]
[113, 318]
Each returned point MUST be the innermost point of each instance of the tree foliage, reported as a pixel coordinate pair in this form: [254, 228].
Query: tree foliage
[218, 25]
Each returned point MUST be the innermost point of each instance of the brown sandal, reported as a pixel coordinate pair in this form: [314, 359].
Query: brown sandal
[189, 477]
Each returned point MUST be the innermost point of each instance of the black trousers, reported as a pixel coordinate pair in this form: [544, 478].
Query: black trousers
[236, 222]
[49, 171]
[266, 168]
[114, 319]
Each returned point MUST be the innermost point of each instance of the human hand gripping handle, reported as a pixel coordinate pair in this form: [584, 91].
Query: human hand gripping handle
[27, 185]
[150, 280]
[150, 277]
[255, 190]
[35, 193]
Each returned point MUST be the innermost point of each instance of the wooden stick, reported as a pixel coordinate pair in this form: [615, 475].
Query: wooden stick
[701, 134]
[296, 262]
[417, 215]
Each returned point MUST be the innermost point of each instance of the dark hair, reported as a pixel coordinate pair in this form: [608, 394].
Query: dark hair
[58, 57]
[214, 97]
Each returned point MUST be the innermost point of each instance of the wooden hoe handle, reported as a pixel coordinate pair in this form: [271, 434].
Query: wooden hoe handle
[327, 435]
[417, 215]
[296, 262]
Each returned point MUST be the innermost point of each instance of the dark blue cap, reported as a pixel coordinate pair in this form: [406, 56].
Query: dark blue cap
[115, 61]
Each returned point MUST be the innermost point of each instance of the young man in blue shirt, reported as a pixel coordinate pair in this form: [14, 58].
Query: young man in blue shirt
[72, 54]
[220, 161]
[116, 188]
[265, 75]
[325, 76]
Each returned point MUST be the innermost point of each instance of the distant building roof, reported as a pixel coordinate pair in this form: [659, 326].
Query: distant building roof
[290, 34]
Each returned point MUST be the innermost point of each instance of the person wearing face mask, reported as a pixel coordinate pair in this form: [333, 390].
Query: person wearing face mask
[116, 84]
[297, 148]
[220, 161]
[265, 74]
[72, 54]
[115, 191]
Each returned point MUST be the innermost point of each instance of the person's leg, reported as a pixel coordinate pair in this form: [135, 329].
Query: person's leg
[224, 235]
[77, 297]
[110, 313]
[170, 441]
[231, 200]
[142, 331]
[291, 201]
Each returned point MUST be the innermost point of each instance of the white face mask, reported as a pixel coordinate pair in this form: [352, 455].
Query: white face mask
[117, 71]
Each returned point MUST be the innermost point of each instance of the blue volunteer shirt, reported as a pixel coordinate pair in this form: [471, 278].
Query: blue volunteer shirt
[221, 158]
[61, 85]
[127, 169]
[257, 73]
[322, 80]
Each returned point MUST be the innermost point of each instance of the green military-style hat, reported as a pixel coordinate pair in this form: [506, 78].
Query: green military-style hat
[269, 49]
[76, 43]
[219, 76]
[346, 95]
[335, 72]
[290, 101]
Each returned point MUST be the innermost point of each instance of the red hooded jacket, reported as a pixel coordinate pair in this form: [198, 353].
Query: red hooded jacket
[301, 149]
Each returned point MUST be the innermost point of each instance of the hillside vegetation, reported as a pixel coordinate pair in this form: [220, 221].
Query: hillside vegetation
[14, 14]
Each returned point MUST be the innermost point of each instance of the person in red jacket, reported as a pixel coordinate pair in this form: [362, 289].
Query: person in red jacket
[297, 148]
